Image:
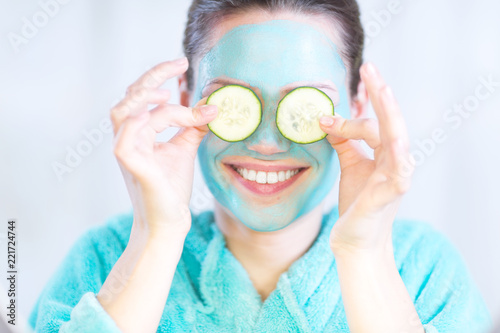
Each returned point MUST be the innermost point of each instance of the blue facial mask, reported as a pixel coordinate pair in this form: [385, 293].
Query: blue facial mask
[269, 56]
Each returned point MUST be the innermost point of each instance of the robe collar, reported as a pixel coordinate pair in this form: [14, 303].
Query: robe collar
[229, 296]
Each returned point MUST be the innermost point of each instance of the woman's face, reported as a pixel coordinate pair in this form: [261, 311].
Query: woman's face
[271, 57]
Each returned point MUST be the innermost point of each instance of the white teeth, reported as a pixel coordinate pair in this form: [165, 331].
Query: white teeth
[252, 175]
[281, 176]
[263, 177]
[272, 177]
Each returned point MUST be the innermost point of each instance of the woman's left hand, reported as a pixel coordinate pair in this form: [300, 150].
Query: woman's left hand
[370, 193]
[370, 189]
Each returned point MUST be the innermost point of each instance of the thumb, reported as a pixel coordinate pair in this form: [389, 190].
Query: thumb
[189, 138]
[349, 151]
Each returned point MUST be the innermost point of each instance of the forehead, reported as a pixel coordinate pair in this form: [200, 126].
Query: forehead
[319, 22]
[276, 52]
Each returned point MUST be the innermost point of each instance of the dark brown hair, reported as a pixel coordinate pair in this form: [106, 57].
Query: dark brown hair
[204, 14]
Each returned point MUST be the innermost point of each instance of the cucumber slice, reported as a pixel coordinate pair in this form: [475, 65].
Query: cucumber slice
[299, 112]
[239, 112]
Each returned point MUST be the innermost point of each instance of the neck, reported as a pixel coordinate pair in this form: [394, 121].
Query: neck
[266, 255]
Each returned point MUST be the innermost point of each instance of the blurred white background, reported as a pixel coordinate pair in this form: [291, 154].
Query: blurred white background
[60, 82]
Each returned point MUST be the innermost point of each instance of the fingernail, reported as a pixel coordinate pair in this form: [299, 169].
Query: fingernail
[326, 121]
[209, 110]
[180, 61]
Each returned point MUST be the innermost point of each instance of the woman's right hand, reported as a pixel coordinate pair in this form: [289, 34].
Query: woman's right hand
[159, 175]
[159, 178]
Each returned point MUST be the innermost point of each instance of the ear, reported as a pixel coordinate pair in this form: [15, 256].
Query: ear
[184, 94]
[359, 103]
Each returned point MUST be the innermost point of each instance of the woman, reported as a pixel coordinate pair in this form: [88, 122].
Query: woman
[266, 259]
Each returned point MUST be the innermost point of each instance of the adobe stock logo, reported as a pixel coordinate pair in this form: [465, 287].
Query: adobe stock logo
[380, 20]
[31, 26]
[454, 117]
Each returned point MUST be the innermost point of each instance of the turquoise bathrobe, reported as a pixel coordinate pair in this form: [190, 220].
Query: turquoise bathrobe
[212, 292]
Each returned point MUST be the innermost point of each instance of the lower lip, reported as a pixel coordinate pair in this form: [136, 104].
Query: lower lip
[265, 189]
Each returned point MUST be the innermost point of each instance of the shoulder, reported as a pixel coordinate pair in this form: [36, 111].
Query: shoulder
[427, 259]
[199, 236]
[100, 246]
[438, 279]
[83, 269]
[116, 229]
[202, 226]
[414, 240]
[113, 233]
[111, 237]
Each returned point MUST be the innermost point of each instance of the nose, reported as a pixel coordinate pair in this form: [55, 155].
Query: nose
[266, 148]
[267, 140]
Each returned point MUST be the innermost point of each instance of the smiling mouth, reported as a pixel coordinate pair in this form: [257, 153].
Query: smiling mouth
[270, 181]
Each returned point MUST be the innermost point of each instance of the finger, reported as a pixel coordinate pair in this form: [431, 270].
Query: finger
[126, 140]
[365, 129]
[391, 186]
[157, 75]
[189, 138]
[349, 151]
[373, 83]
[144, 90]
[395, 132]
[391, 122]
[141, 98]
[172, 115]
[388, 185]
[133, 106]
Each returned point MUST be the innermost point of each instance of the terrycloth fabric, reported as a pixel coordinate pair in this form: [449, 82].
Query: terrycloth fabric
[89, 316]
[211, 291]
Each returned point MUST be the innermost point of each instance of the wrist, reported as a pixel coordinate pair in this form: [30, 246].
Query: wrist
[149, 227]
[143, 236]
[373, 256]
[361, 246]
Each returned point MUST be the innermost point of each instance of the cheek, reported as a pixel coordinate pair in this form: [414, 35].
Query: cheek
[206, 154]
[323, 154]
[209, 152]
[321, 151]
